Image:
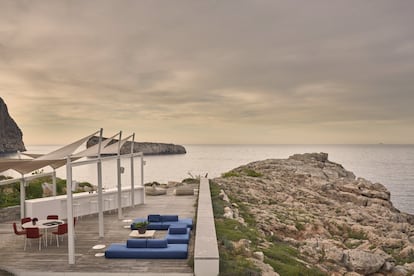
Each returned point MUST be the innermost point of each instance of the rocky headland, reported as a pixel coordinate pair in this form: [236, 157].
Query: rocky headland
[146, 148]
[340, 224]
[11, 137]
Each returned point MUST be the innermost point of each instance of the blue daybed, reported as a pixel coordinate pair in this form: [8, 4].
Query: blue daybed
[162, 222]
[147, 249]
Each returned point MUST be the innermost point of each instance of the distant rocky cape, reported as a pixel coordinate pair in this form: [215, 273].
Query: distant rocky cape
[145, 147]
[339, 223]
[11, 137]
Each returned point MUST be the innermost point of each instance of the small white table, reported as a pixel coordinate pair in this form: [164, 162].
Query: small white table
[43, 224]
[149, 234]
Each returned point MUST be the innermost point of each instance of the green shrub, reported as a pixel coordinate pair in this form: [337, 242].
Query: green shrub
[191, 181]
[252, 173]
[10, 194]
[230, 174]
[231, 265]
[284, 259]
[358, 235]
[300, 226]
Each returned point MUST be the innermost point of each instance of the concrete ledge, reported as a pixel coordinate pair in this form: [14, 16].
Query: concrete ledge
[206, 254]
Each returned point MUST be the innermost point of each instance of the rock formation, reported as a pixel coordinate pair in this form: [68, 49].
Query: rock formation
[339, 223]
[10, 134]
[145, 147]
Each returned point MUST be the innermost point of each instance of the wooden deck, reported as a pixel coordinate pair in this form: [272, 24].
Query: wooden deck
[55, 260]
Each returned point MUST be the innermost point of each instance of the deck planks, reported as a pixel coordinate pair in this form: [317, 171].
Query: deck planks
[53, 259]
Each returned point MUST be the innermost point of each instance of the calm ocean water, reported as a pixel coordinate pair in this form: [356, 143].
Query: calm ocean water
[391, 165]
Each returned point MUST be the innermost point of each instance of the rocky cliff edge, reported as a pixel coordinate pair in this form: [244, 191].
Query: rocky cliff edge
[11, 137]
[340, 223]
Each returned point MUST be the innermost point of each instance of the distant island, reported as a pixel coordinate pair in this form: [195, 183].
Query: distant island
[146, 148]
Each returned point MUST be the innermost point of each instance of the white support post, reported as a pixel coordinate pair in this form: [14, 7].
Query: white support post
[132, 172]
[22, 197]
[100, 200]
[132, 182]
[142, 179]
[100, 197]
[118, 162]
[69, 208]
[54, 182]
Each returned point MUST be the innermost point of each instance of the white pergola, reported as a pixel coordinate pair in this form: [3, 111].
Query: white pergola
[66, 156]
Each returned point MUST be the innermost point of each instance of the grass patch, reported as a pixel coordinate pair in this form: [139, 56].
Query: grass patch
[231, 265]
[230, 174]
[228, 229]
[357, 235]
[300, 226]
[252, 173]
[246, 172]
[402, 260]
[284, 259]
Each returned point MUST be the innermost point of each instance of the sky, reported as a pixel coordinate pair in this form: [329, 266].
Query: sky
[210, 72]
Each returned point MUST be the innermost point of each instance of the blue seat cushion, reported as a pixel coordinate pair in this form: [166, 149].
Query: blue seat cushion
[168, 218]
[187, 221]
[157, 243]
[177, 228]
[154, 218]
[164, 224]
[179, 238]
[173, 251]
[136, 243]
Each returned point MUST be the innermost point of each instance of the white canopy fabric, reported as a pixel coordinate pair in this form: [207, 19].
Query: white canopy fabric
[54, 159]
[113, 148]
[94, 150]
[6, 164]
[65, 151]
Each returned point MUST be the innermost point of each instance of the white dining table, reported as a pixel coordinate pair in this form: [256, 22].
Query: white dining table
[43, 224]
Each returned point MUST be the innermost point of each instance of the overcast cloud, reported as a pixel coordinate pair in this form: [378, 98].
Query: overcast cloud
[210, 71]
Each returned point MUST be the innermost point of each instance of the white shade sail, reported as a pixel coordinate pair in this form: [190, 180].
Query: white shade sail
[94, 150]
[65, 151]
[55, 159]
[113, 148]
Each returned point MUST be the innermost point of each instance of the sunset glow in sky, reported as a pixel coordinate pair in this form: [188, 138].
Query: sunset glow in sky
[230, 72]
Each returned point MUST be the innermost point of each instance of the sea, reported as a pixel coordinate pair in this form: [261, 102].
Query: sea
[390, 165]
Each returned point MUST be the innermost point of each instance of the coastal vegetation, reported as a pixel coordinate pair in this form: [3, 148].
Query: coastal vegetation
[235, 259]
[10, 194]
[246, 172]
[306, 215]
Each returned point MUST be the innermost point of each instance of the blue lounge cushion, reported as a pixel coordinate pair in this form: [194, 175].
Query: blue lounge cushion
[178, 228]
[164, 222]
[179, 238]
[136, 243]
[167, 218]
[157, 243]
[154, 218]
[187, 221]
[173, 251]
